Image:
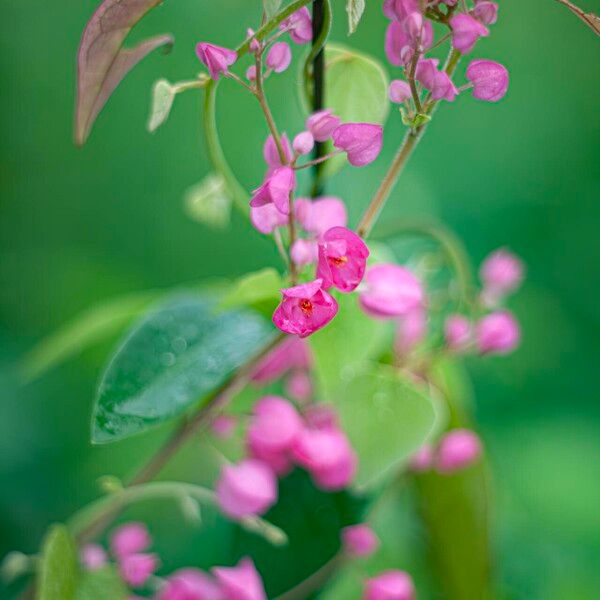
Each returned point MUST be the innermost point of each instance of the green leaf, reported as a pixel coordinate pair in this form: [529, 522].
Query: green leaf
[271, 7]
[181, 352]
[209, 201]
[387, 417]
[163, 94]
[255, 289]
[94, 325]
[355, 9]
[342, 348]
[101, 584]
[57, 573]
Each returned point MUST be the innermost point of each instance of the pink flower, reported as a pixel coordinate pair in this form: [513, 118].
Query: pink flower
[390, 291]
[304, 309]
[254, 43]
[390, 585]
[359, 540]
[458, 449]
[395, 41]
[216, 58]
[319, 215]
[93, 556]
[291, 353]
[276, 189]
[299, 385]
[422, 459]
[399, 9]
[322, 124]
[246, 489]
[328, 456]
[251, 73]
[342, 259]
[466, 31]
[497, 333]
[399, 91]
[223, 426]
[361, 141]
[304, 252]
[321, 416]
[303, 143]
[418, 30]
[271, 154]
[130, 538]
[267, 218]
[135, 569]
[299, 25]
[279, 57]
[457, 332]
[190, 584]
[241, 582]
[489, 79]
[411, 330]
[438, 82]
[486, 12]
[501, 273]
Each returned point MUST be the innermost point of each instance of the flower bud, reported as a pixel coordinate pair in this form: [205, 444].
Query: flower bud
[274, 425]
[422, 459]
[216, 58]
[322, 124]
[413, 26]
[241, 582]
[299, 386]
[321, 214]
[304, 252]
[136, 569]
[251, 73]
[497, 333]
[361, 141]
[437, 82]
[390, 585]
[489, 79]
[359, 540]
[130, 538]
[458, 449]
[342, 259]
[501, 272]
[304, 309]
[303, 143]
[485, 12]
[254, 43]
[390, 291]
[279, 57]
[246, 489]
[466, 31]
[190, 584]
[93, 557]
[399, 91]
[457, 332]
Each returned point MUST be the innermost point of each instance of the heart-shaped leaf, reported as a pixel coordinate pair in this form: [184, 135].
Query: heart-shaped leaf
[180, 353]
[102, 63]
[57, 572]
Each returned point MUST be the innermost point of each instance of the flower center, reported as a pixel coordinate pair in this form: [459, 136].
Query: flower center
[306, 306]
[338, 261]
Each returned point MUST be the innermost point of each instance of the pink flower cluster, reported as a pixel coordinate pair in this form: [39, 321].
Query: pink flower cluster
[409, 31]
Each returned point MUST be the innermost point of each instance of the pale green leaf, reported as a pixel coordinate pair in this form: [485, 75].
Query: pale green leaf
[355, 9]
[101, 584]
[209, 201]
[57, 571]
[163, 94]
[387, 417]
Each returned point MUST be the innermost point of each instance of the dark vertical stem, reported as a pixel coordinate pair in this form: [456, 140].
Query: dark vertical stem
[318, 72]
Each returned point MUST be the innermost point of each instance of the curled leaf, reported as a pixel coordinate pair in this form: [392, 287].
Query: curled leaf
[163, 94]
[102, 63]
[355, 9]
[209, 201]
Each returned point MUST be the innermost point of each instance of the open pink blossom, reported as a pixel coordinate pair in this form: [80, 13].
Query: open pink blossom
[319, 215]
[241, 582]
[458, 449]
[271, 154]
[276, 190]
[390, 291]
[466, 31]
[304, 252]
[422, 460]
[322, 124]
[267, 218]
[497, 333]
[342, 259]
[411, 330]
[299, 386]
[304, 309]
[501, 272]
[437, 82]
[216, 58]
[457, 332]
[246, 489]
[485, 12]
[190, 584]
[289, 354]
[399, 43]
[399, 91]
[328, 456]
[360, 141]
[359, 540]
[279, 57]
[390, 585]
[136, 569]
[303, 143]
[93, 557]
[299, 25]
[489, 79]
[130, 538]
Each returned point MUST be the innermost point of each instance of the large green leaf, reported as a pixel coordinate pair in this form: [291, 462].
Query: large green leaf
[341, 348]
[181, 352]
[57, 571]
[387, 418]
[101, 584]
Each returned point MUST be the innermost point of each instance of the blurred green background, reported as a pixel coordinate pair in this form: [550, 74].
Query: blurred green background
[78, 226]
